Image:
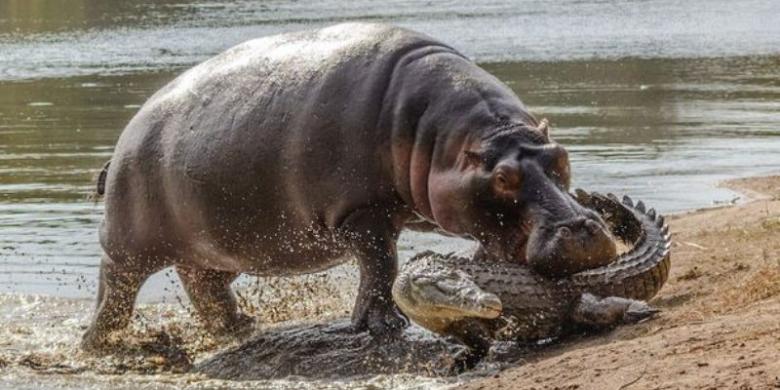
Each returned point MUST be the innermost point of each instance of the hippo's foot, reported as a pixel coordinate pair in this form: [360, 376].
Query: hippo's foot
[386, 324]
[239, 327]
[117, 289]
[383, 322]
[94, 341]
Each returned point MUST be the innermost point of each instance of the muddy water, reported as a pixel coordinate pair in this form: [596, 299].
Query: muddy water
[658, 99]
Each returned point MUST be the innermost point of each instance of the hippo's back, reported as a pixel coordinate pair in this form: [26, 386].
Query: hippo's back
[287, 60]
[275, 132]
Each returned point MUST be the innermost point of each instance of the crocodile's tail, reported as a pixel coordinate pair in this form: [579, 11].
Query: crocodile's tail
[100, 183]
[639, 273]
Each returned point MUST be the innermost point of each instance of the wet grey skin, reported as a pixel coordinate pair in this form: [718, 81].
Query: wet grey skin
[293, 153]
[477, 302]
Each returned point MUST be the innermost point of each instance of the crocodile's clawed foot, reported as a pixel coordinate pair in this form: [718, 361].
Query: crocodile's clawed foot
[606, 313]
[639, 311]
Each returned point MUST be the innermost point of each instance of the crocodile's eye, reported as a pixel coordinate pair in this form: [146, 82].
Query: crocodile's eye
[452, 275]
[422, 280]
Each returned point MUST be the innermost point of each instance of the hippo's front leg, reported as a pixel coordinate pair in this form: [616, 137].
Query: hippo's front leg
[372, 237]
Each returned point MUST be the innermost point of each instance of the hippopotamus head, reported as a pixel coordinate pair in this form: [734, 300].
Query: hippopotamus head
[512, 195]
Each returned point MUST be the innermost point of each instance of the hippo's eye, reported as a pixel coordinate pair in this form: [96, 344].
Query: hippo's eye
[502, 179]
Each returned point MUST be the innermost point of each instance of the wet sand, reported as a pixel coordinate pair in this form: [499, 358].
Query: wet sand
[719, 327]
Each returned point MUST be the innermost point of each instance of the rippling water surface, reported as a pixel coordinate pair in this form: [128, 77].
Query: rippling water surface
[658, 99]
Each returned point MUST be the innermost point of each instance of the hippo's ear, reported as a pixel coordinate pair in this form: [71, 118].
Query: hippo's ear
[544, 127]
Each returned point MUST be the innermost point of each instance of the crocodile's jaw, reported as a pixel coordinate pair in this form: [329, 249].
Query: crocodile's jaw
[434, 296]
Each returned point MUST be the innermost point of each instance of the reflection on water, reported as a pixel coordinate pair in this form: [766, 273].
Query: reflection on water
[53, 16]
[663, 130]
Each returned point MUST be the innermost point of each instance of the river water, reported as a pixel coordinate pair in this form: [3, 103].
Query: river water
[658, 99]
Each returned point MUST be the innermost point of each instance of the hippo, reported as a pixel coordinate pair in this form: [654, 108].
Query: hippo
[293, 153]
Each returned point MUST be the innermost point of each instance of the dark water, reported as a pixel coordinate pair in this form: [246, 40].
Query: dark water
[658, 99]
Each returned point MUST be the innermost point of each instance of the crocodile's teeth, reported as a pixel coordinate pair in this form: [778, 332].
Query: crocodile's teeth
[628, 201]
[640, 206]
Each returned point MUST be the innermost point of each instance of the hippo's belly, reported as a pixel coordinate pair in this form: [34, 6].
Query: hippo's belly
[268, 257]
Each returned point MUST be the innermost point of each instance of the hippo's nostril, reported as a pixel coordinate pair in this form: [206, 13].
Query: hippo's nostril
[592, 226]
[564, 232]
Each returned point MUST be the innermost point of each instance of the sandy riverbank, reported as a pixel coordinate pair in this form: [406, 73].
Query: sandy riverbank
[720, 327]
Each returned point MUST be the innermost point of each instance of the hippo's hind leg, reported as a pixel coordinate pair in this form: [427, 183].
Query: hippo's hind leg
[215, 304]
[601, 313]
[119, 283]
[372, 237]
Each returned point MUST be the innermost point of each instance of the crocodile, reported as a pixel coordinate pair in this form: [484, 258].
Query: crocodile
[478, 302]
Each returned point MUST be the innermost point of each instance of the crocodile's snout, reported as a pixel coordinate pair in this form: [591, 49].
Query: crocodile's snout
[429, 291]
[479, 303]
[455, 294]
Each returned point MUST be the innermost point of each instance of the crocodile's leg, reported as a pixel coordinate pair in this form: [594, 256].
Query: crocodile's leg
[596, 312]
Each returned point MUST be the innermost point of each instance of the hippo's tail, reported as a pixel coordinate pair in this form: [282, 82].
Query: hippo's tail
[100, 183]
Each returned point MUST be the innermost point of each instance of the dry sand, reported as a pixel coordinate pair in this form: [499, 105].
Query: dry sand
[720, 326]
